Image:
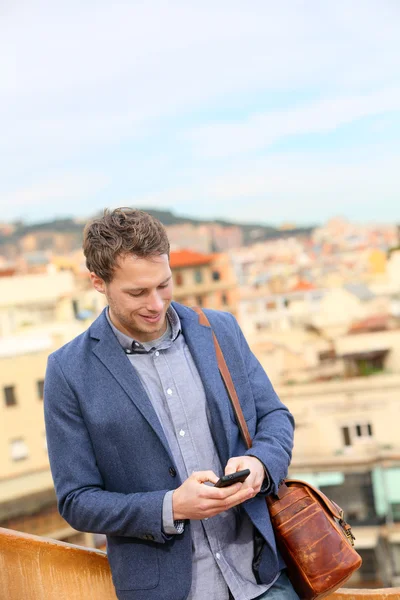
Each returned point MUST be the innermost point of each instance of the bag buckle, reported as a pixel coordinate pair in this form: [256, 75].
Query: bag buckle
[347, 529]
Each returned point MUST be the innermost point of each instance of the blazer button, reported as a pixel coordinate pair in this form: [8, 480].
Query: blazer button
[172, 472]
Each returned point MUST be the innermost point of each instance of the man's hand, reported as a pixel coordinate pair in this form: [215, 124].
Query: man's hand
[257, 472]
[195, 500]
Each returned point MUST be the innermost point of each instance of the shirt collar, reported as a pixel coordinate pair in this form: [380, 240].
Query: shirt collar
[132, 346]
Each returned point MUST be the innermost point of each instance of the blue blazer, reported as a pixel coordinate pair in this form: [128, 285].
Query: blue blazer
[111, 462]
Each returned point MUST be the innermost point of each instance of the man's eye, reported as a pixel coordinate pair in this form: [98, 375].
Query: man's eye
[135, 295]
[161, 287]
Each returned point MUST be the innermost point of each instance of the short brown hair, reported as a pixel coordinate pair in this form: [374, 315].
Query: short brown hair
[120, 232]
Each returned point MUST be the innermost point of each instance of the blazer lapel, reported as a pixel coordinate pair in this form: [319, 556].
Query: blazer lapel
[201, 345]
[111, 354]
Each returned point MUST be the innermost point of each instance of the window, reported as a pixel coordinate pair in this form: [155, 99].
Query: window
[18, 449]
[356, 432]
[369, 568]
[199, 300]
[40, 388]
[216, 275]
[396, 513]
[369, 366]
[317, 296]
[355, 494]
[262, 326]
[75, 307]
[396, 558]
[178, 278]
[9, 396]
[198, 276]
[327, 356]
[346, 436]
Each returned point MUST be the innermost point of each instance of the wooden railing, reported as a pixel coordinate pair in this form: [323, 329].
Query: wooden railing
[35, 568]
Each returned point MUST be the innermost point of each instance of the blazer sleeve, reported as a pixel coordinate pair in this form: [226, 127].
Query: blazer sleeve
[273, 441]
[82, 500]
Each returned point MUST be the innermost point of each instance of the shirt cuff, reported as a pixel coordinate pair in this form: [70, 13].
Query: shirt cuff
[170, 526]
[266, 484]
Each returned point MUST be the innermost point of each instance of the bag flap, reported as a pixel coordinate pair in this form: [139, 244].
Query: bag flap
[332, 507]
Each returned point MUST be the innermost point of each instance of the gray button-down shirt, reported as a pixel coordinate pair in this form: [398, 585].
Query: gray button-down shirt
[222, 546]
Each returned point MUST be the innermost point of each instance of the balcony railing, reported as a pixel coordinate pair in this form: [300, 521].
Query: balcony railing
[35, 568]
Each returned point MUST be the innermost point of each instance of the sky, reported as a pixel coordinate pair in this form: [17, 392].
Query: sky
[257, 111]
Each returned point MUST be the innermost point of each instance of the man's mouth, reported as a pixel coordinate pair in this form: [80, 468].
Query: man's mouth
[151, 318]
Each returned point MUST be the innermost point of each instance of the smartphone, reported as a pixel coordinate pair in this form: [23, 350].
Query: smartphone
[226, 480]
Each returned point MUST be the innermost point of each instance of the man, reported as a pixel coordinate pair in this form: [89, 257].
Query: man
[139, 426]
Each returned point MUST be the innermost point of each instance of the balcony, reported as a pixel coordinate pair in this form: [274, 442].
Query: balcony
[35, 568]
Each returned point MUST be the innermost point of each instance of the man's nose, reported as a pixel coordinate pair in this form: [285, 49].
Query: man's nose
[155, 302]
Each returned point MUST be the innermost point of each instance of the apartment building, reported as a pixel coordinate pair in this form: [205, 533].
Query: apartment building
[329, 310]
[259, 311]
[205, 280]
[204, 238]
[30, 300]
[27, 498]
[38, 313]
[197, 238]
[306, 355]
[343, 387]
[343, 305]
[347, 444]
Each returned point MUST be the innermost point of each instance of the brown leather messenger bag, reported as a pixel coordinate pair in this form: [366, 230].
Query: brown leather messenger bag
[310, 531]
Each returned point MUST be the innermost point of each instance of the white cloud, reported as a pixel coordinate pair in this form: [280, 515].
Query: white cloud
[158, 58]
[260, 131]
[309, 179]
[285, 187]
[65, 187]
[79, 79]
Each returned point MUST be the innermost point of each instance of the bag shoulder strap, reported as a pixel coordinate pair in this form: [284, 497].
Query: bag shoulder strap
[331, 506]
[227, 379]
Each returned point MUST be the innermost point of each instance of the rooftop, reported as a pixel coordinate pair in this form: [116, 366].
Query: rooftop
[360, 290]
[189, 258]
[303, 286]
[372, 323]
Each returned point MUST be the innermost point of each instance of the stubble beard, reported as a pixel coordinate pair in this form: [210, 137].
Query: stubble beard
[136, 326]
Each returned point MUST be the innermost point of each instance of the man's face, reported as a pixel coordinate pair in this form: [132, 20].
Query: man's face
[139, 295]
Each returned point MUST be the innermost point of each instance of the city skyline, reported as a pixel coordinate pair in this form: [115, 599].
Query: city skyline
[286, 113]
[197, 220]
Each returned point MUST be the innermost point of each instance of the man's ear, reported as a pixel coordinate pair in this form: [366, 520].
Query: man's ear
[98, 283]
